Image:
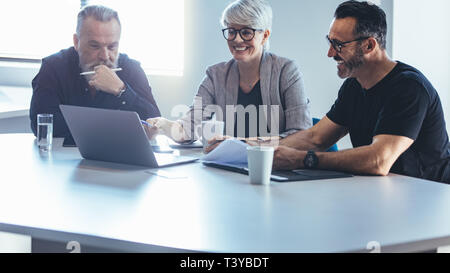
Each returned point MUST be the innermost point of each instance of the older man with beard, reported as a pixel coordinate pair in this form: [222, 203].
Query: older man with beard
[391, 111]
[114, 81]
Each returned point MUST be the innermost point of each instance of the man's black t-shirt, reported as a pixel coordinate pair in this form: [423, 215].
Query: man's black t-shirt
[404, 103]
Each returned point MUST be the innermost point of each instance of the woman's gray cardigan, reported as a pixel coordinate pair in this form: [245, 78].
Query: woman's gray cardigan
[281, 84]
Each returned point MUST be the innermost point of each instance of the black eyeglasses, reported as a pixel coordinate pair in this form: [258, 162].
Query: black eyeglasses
[337, 45]
[246, 33]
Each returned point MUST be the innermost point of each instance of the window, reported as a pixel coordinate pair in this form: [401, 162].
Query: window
[152, 30]
[32, 29]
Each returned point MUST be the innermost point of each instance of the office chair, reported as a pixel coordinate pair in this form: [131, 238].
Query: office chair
[333, 148]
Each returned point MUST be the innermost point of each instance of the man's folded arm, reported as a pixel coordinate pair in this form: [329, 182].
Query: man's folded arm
[375, 159]
[320, 137]
[138, 95]
[144, 105]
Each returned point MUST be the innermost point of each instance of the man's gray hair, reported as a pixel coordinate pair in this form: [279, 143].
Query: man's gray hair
[98, 12]
[256, 14]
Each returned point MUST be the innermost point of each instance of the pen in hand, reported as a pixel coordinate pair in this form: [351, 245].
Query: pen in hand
[93, 72]
[146, 123]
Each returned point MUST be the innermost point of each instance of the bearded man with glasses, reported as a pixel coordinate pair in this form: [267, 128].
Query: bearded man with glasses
[392, 112]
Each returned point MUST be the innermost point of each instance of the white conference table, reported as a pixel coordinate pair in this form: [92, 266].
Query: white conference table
[61, 197]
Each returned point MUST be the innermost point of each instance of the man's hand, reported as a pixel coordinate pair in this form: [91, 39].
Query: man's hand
[106, 80]
[253, 141]
[286, 158]
[272, 141]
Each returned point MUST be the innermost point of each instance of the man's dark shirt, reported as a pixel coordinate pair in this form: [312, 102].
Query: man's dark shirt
[59, 82]
[405, 104]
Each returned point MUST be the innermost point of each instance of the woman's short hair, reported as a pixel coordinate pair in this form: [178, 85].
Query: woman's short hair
[256, 14]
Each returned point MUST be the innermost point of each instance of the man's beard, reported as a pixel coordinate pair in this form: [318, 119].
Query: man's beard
[355, 62]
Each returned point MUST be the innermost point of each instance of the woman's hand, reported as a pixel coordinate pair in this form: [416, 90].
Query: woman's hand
[214, 142]
[172, 129]
[150, 129]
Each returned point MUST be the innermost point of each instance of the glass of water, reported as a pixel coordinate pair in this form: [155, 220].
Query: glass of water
[45, 131]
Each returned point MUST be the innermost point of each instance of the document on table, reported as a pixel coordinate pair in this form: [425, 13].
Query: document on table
[229, 151]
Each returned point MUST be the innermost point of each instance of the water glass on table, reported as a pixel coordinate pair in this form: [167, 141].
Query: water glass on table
[45, 131]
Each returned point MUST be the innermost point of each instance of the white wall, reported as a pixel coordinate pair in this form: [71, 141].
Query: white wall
[422, 39]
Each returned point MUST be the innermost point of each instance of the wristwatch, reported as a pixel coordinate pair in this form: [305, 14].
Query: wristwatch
[311, 160]
[122, 91]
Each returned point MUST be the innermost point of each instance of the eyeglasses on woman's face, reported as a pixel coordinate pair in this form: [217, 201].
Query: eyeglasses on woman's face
[246, 33]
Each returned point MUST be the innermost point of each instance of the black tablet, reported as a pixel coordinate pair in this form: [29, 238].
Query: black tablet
[69, 142]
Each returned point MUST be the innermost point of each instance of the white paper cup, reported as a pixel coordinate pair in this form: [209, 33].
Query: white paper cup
[210, 130]
[260, 160]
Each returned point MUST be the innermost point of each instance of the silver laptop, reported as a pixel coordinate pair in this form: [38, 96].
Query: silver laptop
[114, 136]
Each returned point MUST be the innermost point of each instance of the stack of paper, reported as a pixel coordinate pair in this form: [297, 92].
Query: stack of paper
[229, 151]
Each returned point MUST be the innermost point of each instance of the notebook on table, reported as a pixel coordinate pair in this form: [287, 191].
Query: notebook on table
[231, 155]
